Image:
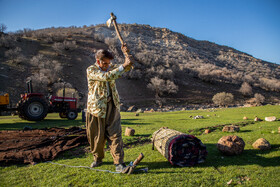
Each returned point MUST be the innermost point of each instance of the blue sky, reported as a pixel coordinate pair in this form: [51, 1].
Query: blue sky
[251, 26]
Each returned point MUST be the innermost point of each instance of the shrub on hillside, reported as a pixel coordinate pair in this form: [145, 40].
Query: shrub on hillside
[270, 84]
[7, 41]
[259, 98]
[15, 55]
[58, 47]
[223, 99]
[27, 32]
[46, 73]
[69, 45]
[160, 86]
[246, 89]
[98, 37]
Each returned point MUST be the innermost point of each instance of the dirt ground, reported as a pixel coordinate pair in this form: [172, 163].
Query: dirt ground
[38, 145]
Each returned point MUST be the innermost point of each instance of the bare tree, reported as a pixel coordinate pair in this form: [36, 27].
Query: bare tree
[47, 73]
[161, 86]
[156, 84]
[223, 99]
[259, 98]
[246, 89]
[3, 27]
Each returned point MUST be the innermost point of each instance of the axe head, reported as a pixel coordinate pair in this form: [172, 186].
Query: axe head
[109, 22]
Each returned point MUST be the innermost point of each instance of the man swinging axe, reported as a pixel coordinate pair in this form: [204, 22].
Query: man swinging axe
[103, 108]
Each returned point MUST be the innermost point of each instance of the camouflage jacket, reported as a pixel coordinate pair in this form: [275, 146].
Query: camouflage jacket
[97, 89]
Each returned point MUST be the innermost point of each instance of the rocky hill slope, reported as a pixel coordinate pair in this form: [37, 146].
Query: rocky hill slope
[170, 68]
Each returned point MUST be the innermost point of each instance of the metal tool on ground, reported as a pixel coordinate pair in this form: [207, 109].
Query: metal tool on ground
[113, 21]
[131, 167]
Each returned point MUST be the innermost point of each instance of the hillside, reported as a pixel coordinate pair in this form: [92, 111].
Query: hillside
[170, 68]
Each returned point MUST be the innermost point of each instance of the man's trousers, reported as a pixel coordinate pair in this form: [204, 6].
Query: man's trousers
[101, 129]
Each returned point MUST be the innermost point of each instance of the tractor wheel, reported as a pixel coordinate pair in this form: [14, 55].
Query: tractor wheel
[62, 115]
[20, 110]
[35, 109]
[72, 114]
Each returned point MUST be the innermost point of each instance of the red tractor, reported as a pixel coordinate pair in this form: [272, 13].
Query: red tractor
[36, 106]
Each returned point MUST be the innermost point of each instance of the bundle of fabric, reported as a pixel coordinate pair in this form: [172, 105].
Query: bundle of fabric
[178, 148]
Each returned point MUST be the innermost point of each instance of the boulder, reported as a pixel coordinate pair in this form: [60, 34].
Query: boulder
[207, 131]
[139, 111]
[245, 118]
[231, 128]
[131, 109]
[152, 110]
[257, 119]
[123, 108]
[198, 117]
[129, 131]
[231, 145]
[271, 118]
[261, 144]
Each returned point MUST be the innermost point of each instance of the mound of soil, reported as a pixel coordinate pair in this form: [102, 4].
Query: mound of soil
[32, 146]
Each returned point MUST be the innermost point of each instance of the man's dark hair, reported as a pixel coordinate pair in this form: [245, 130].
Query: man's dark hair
[103, 53]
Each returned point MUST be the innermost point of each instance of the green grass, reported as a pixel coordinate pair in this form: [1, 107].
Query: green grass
[251, 168]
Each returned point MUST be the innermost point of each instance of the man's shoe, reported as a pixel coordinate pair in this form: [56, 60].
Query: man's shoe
[95, 164]
[120, 167]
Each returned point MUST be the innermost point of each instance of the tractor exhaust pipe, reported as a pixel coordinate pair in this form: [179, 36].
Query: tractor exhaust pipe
[29, 86]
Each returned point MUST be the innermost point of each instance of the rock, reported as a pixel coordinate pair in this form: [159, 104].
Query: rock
[198, 117]
[131, 109]
[139, 111]
[245, 118]
[257, 119]
[207, 131]
[123, 108]
[271, 118]
[129, 131]
[152, 110]
[261, 144]
[231, 145]
[231, 128]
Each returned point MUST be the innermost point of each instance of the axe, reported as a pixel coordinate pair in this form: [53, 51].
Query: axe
[113, 21]
[130, 168]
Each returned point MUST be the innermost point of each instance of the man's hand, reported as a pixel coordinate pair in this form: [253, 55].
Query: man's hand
[128, 58]
[128, 62]
[125, 49]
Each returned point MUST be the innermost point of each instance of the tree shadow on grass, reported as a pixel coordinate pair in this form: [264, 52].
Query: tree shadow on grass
[131, 122]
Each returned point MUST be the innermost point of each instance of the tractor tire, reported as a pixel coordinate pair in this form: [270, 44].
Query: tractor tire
[34, 109]
[62, 115]
[72, 114]
[20, 110]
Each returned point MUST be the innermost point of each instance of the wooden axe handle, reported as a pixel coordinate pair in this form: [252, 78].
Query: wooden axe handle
[118, 32]
[126, 53]
[138, 159]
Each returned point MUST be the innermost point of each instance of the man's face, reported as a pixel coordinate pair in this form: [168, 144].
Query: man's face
[104, 63]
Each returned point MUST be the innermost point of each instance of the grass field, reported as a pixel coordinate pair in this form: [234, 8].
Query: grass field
[251, 168]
